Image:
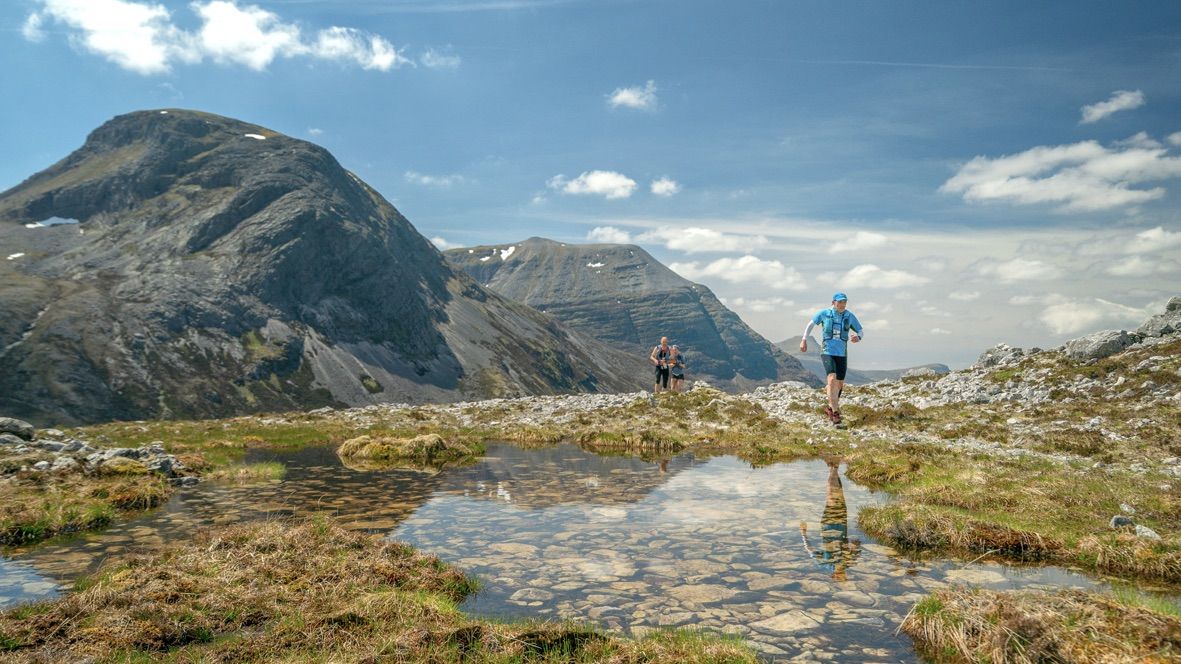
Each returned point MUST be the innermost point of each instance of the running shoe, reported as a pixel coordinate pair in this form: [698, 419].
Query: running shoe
[828, 413]
[836, 417]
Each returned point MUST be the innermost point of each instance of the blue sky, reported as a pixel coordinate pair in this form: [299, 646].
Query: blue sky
[969, 172]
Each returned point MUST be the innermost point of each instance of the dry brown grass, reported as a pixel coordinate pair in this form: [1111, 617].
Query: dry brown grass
[303, 591]
[1035, 627]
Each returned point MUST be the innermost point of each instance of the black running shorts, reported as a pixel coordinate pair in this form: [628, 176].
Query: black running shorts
[662, 376]
[834, 364]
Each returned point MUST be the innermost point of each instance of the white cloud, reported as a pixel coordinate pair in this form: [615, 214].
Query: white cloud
[609, 235]
[940, 331]
[932, 264]
[694, 240]
[141, 37]
[436, 60]
[1174, 138]
[963, 296]
[608, 184]
[1139, 266]
[643, 98]
[1153, 239]
[31, 30]
[872, 276]
[442, 244]
[747, 269]
[760, 305]
[1139, 140]
[1077, 177]
[315, 131]
[665, 187]
[1071, 316]
[1018, 269]
[442, 181]
[1044, 298]
[1121, 100]
[857, 241]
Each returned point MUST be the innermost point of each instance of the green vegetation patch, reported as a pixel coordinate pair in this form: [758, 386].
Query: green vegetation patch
[37, 506]
[306, 590]
[1027, 627]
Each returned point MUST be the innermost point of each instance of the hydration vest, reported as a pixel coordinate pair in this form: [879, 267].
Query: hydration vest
[834, 329]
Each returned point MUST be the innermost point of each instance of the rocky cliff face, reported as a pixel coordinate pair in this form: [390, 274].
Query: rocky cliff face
[811, 362]
[621, 295]
[211, 267]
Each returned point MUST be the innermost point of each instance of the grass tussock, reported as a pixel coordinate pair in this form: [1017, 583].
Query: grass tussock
[922, 527]
[428, 448]
[249, 472]
[39, 506]
[304, 590]
[1027, 627]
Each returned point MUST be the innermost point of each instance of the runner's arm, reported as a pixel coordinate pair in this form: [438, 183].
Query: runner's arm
[856, 325]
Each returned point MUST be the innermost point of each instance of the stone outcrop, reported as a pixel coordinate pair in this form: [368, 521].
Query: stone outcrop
[1098, 345]
[217, 267]
[622, 295]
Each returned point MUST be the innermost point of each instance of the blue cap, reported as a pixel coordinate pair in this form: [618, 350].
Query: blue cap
[839, 296]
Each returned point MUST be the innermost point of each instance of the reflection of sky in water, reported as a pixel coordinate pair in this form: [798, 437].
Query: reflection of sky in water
[713, 543]
[20, 583]
[620, 542]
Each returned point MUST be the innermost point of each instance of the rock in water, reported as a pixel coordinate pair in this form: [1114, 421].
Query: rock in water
[212, 273]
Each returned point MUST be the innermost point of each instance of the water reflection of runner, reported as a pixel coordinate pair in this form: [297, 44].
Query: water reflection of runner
[837, 552]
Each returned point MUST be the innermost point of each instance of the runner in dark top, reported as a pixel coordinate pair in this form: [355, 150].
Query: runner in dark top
[661, 358]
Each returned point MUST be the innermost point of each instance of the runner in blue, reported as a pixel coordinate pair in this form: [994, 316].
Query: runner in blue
[839, 326]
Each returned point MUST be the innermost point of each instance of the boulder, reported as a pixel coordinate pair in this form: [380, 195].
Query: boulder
[9, 439]
[1163, 325]
[1098, 345]
[18, 428]
[920, 372]
[999, 355]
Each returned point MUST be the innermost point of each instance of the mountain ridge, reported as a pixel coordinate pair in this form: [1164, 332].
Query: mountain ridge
[622, 295]
[219, 267]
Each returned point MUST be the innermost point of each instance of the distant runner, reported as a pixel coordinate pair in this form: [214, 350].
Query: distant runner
[836, 324]
[661, 358]
[677, 370]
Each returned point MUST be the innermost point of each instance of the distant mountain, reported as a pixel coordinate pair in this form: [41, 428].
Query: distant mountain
[622, 295]
[811, 360]
[218, 267]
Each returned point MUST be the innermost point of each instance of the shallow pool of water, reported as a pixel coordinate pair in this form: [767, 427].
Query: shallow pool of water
[772, 554]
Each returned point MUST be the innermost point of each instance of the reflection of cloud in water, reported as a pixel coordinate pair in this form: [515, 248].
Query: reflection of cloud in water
[729, 490]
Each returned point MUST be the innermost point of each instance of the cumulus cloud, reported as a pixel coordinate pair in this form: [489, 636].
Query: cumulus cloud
[435, 60]
[932, 263]
[939, 331]
[315, 131]
[609, 235]
[1139, 266]
[1120, 100]
[608, 184]
[747, 269]
[442, 244]
[141, 36]
[1018, 269]
[665, 187]
[760, 305]
[1079, 177]
[872, 276]
[442, 181]
[694, 240]
[641, 98]
[963, 296]
[857, 241]
[1071, 316]
[1153, 239]
[1174, 138]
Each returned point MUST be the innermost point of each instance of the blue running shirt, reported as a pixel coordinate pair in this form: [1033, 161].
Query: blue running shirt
[833, 344]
